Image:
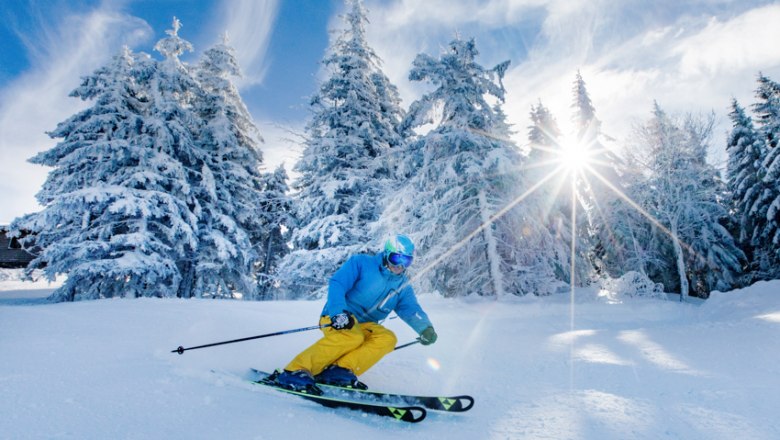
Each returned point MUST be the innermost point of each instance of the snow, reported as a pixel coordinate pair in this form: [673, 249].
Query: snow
[539, 368]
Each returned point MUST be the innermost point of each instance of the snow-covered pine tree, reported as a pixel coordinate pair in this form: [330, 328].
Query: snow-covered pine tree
[390, 111]
[746, 151]
[687, 201]
[544, 135]
[116, 218]
[277, 213]
[194, 123]
[629, 240]
[598, 180]
[586, 124]
[344, 169]
[459, 204]
[388, 125]
[173, 129]
[586, 142]
[554, 232]
[527, 250]
[232, 227]
[767, 111]
[716, 261]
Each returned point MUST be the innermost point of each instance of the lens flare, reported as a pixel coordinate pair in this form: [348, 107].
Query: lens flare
[434, 364]
[574, 155]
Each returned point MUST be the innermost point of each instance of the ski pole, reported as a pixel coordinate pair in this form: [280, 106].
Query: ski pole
[181, 349]
[416, 341]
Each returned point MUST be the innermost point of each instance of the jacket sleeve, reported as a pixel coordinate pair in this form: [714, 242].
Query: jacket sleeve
[340, 283]
[410, 311]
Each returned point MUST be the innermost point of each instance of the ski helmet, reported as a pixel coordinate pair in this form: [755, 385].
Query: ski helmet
[399, 250]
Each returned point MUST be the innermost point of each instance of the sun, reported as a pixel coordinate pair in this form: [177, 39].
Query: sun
[574, 156]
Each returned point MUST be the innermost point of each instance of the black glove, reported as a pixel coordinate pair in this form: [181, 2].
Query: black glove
[428, 336]
[342, 321]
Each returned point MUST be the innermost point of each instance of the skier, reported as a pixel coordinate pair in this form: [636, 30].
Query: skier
[361, 293]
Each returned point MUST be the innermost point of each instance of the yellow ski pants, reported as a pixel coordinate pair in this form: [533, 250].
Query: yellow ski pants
[356, 349]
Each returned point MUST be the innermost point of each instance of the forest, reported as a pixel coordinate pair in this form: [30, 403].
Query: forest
[159, 187]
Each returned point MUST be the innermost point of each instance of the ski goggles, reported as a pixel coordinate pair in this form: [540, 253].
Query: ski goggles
[397, 259]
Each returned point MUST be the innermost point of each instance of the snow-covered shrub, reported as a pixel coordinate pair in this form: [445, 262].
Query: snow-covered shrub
[631, 284]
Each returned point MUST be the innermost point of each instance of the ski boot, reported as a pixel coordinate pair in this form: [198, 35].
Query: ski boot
[340, 377]
[299, 380]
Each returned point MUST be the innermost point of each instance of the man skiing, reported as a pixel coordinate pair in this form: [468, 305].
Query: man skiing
[361, 293]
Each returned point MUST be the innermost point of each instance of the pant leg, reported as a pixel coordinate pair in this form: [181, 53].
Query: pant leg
[333, 345]
[378, 341]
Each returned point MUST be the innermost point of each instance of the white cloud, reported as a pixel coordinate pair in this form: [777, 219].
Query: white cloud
[449, 14]
[690, 57]
[282, 144]
[249, 24]
[38, 99]
[400, 30]
[694, 64]
[747, 42]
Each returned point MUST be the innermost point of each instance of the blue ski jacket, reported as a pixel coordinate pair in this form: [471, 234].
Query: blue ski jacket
[364, 287]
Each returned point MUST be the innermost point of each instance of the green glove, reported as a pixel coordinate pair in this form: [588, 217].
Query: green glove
[428, 336]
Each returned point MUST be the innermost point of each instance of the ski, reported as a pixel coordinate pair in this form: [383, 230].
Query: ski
[447, 403]
[404, 413]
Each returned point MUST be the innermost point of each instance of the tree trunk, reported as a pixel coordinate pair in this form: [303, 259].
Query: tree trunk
[186, 287]
[637, 250]
[678, 250]
[263, 276]
[492, 248]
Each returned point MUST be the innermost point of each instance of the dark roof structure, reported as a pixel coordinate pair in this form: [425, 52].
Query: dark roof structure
[12, 256]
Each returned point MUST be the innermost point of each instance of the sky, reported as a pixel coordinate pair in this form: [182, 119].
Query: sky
[689, 56]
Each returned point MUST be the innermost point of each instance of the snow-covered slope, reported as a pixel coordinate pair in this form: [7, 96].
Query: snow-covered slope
[540, 368]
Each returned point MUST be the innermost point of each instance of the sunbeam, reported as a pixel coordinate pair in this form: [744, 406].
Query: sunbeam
[642, 211]
[484, 225]
[571, 274]
[572, 160]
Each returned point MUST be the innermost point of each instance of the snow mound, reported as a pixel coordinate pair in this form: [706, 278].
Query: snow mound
[761, 301]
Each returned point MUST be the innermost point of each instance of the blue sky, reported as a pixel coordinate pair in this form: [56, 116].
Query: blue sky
[690, 56]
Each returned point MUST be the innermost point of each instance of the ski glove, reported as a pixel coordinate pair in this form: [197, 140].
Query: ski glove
[428, 336]
[342, 321]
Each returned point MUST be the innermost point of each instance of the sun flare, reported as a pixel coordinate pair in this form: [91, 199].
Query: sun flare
[574, 155]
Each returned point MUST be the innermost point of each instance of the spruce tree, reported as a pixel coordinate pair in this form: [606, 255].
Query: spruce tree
[598, 181]
[627, 242]
[116, 215]
[163, 173]
[277, 209]
[173, 129]
[586, 140]
[767, 240]
[231, 225]
[344, 170]
[545, 205]
[746, 150]
[460, 202]
[686, 202]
